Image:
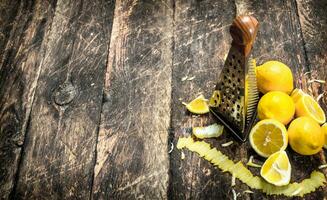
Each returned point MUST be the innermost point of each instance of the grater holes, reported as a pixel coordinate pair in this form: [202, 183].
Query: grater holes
[238, 80]
[230, 63]
[239, 62]
[233, 56]
[234, 66]
[233, 75]
[227, 70]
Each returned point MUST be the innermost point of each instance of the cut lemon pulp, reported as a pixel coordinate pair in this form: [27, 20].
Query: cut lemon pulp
[198, 105]
[297, 94]
[268, 136]
[307, 106]
[277, 169]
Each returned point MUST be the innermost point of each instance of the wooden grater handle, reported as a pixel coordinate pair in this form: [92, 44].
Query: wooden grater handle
[244, 30]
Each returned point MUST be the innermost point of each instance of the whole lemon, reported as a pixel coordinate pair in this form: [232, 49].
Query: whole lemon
[274, 76]
[276, 105]
[305, 136]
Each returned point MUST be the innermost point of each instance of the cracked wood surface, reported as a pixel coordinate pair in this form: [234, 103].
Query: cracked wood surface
[201, 42]
[91, 93]
[59, 149]
[132, 159]
[21, 50]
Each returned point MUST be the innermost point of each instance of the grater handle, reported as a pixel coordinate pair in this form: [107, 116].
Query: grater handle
[243, 31]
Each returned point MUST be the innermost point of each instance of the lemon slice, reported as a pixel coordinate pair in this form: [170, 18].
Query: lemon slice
[307, 106]
[297, 94]
[268, 136]
[198, 105]
[277, 169]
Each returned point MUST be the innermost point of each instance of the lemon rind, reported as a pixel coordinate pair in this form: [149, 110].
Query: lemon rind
[309, 113]
[316, 180]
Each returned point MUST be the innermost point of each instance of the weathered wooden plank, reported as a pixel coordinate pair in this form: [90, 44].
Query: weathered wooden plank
[132, 158]
[202, 41]
[22, 47]
[8, 10]
[59, 150]
[313, 21]
[280, 38]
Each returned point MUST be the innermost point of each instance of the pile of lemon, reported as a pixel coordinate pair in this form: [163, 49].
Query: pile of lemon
[288, 116]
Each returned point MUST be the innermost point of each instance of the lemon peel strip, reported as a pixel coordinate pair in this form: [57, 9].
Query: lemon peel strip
[240, 172]
[252, 164]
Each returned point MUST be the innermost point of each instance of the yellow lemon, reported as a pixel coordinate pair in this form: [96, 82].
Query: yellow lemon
[277, 169]
[307, 106]
[276, 105]
[274, 76]
[305, 136]
[268, 136]
[297, 94]
[198, 105]
[324, 130]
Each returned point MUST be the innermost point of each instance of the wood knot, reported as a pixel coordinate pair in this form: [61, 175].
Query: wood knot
[64, 94]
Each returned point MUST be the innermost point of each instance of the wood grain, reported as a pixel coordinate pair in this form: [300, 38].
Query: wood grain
[22, 47]
[280, 38]
[202, 41]
[8, 10]
[91, 92]
[132, 158]
[59, 150]
[313, 21]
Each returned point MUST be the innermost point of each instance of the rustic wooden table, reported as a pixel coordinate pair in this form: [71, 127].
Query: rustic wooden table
[90, 93]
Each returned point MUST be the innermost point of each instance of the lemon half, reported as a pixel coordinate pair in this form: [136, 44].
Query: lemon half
[297, 94]
[268, 136]
[277, 169]
[307, 106]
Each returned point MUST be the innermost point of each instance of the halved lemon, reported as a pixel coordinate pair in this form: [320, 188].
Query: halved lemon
[297, 94]
[308, 107]
[198, 105]
[277, 169]
[268, 136]
[324, 130]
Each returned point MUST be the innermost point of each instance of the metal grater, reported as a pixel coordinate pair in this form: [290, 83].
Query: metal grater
[230, 102]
